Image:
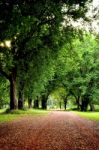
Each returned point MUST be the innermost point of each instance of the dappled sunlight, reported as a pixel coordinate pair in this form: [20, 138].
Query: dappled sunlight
[6, 43]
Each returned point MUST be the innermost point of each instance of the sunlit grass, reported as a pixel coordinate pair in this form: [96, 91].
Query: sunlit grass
[12, 115]
[7, 117]
[96, 107]
[89, 115]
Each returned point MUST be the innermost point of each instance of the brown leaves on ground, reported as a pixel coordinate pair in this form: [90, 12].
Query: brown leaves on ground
[57, 131]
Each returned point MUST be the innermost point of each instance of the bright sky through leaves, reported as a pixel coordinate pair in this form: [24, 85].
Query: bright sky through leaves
[95, 23]
[95, 2]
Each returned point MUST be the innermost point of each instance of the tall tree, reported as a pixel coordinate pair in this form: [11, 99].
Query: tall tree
[31, 26]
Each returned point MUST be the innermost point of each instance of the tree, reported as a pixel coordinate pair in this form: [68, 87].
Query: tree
[79, 72]
[59, 95]
[31, 27]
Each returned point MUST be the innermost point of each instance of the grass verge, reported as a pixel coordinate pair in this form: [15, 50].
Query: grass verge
[89, 115]
[12, 115]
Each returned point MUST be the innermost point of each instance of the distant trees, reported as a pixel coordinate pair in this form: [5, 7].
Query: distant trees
[79, 72]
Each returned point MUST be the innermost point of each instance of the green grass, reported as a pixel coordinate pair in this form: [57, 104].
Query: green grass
[96, 107]
[89, 115]
[7, 117]
[12, 115]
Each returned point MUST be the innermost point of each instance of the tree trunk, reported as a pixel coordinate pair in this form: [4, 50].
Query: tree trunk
[85, 102]
[36, 104]
[21, 100]
[92, 108]
[77, 98]
[44, 102]
[21, 95]
[60, 105]
[12, 80]
[13, 101]
[30, 102]
[78, 102]
[65, 103]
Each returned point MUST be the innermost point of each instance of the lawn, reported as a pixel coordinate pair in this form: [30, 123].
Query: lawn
[5, 117]
[89, 115]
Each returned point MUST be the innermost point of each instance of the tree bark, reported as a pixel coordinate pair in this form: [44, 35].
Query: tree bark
[60, 105]
[78, 102]
[21, 95]
[85, 102]
[30, 102]
[92, 108]
[12, 80]
[77, 98]
[13, 101]
[44, 102]
[21, 100]
[65, 103]
[36, 104]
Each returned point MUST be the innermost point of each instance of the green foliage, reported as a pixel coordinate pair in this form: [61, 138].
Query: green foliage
[36, 32]
[57, 96]
[58, 93]
[4, 92]
[77, 69]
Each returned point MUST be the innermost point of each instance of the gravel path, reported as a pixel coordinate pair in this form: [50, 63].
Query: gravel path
[56, 131]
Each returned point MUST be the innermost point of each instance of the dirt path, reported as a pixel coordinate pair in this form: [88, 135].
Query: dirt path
[57, 131]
